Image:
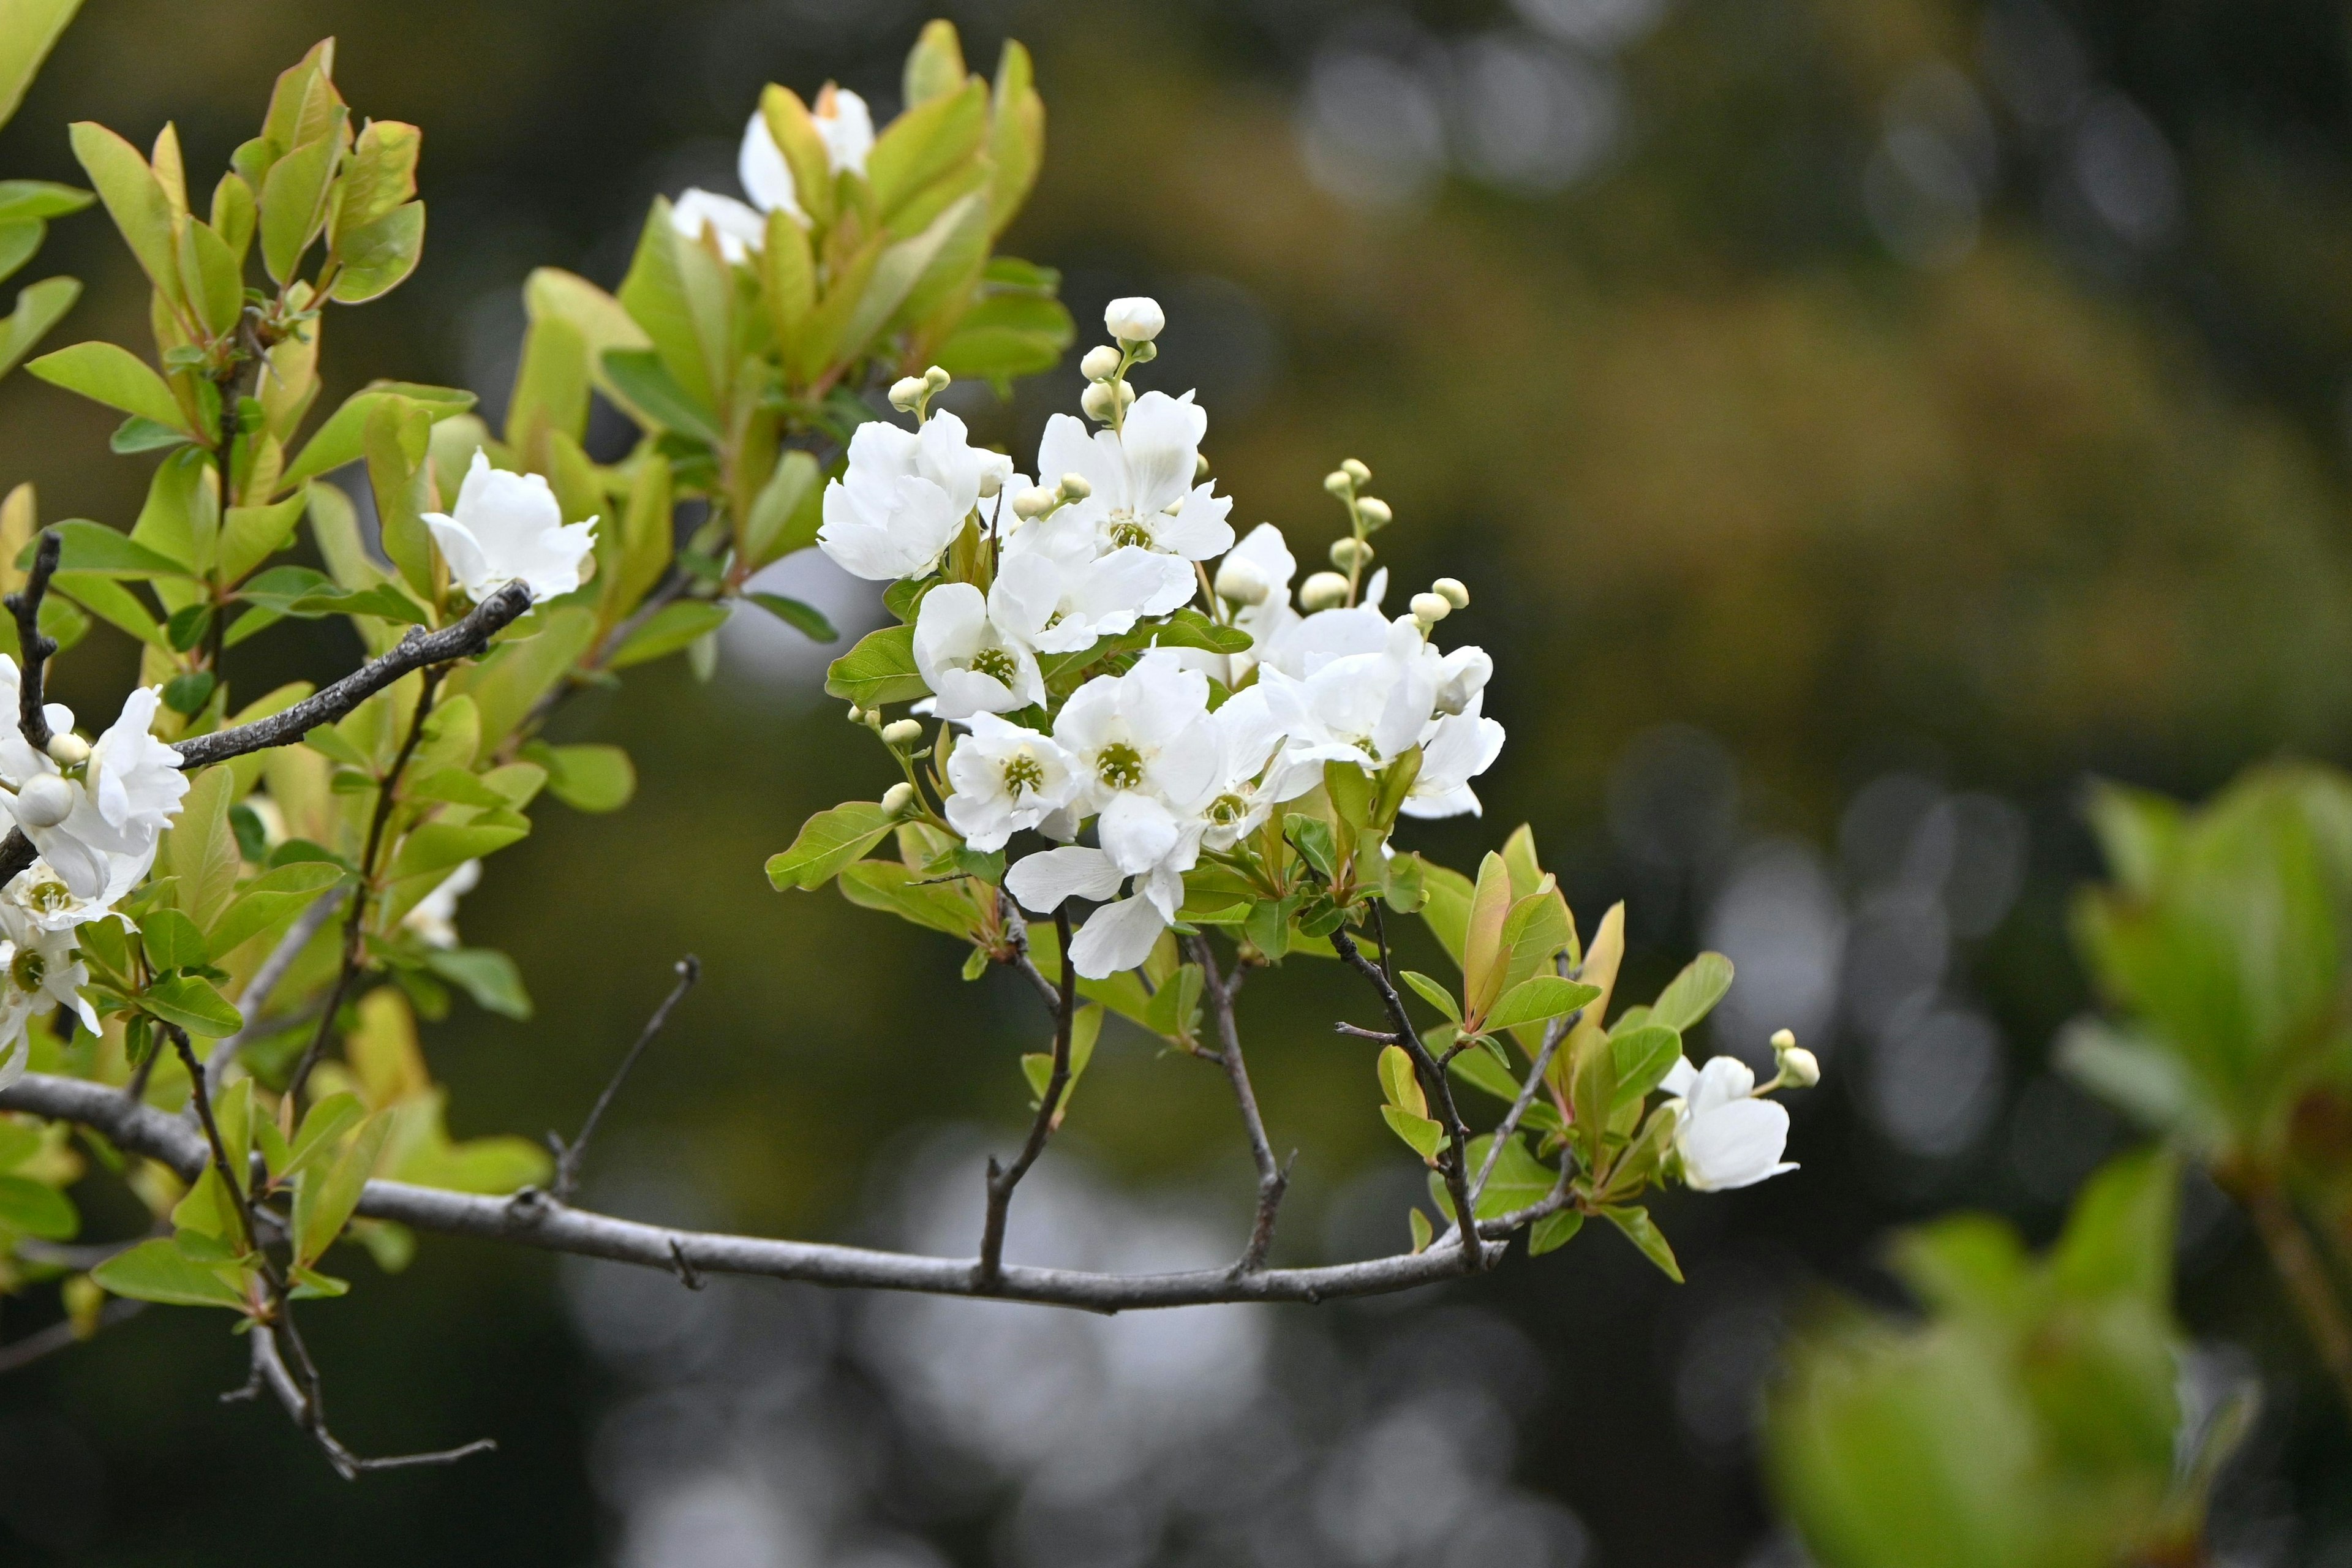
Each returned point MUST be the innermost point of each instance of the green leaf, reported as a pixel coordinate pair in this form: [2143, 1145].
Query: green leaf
[34, 1208]
[139, 434]
[642, 376]
[1644, 1233]
[209, 273]
[827, 842]
[1311, 837]
[1436, 995]
[1421, 1135]
[879, 669]
[324, 1200]
[378, 257]
[135, 201]
[1694, 992]
[106, 373]
[97, 550]
[171, 940]
[508, 686]
[786, 514]
[487, 976]
[294, 204]
[1554, 1231]
[1644, 1058]
[1423, 1231]
[805, 620]
[272, 897]
[36, 201]
[39, 307]
[670, 628]
[29, 29]
[592, 778]
[1483, 1071]
[157, 1270]
[343, 437]
[192, 1005]
[378, 177]
[438, 846]
[926, 143]
[899, 890]
[322, 1132]
[1037, 1066]
[1544, 997]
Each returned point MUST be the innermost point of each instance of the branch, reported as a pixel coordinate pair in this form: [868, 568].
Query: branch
[269, 1371]
[1272, 1178]
[26, 606]
[569, 1155]
[1454, 1162]
[63, 1335]
[1001, 1180]
[531, 1219]
[2306, 1277]
[418, 650]
[387, 795]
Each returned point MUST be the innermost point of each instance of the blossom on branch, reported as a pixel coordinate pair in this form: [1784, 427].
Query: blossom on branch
[509, 528]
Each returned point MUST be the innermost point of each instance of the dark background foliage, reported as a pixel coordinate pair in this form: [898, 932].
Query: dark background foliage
[1859, 421]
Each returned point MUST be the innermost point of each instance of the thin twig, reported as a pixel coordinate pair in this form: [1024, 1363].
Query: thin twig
[989, 1271]
[554, 1227]
[266, 979]
[1454, 1161]
[270, 1370]
[1385, 1036]
[569, 1155]
[1553, 1035]
[1016, 934]
[63, 1334]
[26, 606]
[2306, 1277]
[387, 795]
[1272, 1178]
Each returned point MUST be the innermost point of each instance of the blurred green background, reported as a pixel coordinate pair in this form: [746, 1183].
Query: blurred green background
[1858, 422]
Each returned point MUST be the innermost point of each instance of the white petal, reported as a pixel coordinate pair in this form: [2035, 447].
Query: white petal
[1136, 831]
[767, 178]
[1116, 936]
[1041, 882]
[1734, 1145]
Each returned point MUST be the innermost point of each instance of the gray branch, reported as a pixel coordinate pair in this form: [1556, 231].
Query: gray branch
[531, 1219]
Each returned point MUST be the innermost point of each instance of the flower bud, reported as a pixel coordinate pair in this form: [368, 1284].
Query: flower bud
[899, 795]
[1074, 487]
[1431, 608]
[44, 802]
[906, 392]
[1338, 483]
[1323, 590]
[1200, 467]
[1350, 553]
[1101, 362]
[1134, 319]
[856, 714]
[1035, 502]
[902, 733]
[1800, 1067]
[1356, 472]
[1097, 402]
[68, 750]
[937, 379]
[1376, 511]
[1451, 590]
[1241, 582]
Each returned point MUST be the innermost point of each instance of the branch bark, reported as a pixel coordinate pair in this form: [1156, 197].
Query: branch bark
[1272, 1178]
[990, 1269]
[535, 1220]
[33, 648]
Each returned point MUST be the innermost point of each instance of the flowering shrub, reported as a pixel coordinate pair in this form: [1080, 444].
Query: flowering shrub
[223, 916]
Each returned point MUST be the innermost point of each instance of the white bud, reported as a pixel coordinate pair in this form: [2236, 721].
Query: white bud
[901, 732]
[1784, 1039]
[44, 802]
[1200, 467]
[1451, 590]
[1035, 502]
[1097, 402]
[1431, 608]
[1241, 582]
[68, 750]
[856, 714]
[1101, 362]
[1376, 511]
[1356, 472]
[906, 392]
[1075, 487]
[992, 481]
[1338, 483]
[1323, 590]
[1349, 553]
[1134, 319]
[898, 796]
[1800, 1067]
[937, 379]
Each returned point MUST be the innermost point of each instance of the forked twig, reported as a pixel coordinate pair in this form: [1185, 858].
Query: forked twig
[569, 1155]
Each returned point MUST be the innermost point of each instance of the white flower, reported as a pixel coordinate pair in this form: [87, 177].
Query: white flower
[843, 124]
[742, 231]
[1135, 319]
[38, 967]
[434, 917]
[1058, 604]
[509, 528]
[1121, 933]
[905, 496]
[1458, 749]
[103, 840]
[1005, 778]
[1142, 744]
[1462, 675]
[1368, 707]
[1264, 554]
[966, 658]
[1246, 791]
[1141, 481]
[1725, 1137]
[40, 892]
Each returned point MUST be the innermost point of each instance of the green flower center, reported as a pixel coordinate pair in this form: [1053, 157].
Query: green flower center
[996, 663]
[1126, 529]
[1227, 809]
[49, 897]
[1021, 774]
[29, 969]
[1120, 765]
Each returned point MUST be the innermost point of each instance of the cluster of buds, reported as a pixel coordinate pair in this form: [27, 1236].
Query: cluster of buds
[1039, 501]
[1443, 597]
[1799, 1068]
[1135, 322]
[913, 394]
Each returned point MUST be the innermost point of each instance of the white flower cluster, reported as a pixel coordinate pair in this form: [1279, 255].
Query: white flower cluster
[1120, 532]
[95, 811]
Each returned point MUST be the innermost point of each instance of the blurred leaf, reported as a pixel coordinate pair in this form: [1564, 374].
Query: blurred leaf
[157, 1270]
[1693, 994]
[34, 1208]
[671, 628]
[827, 842]
[487, 976]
